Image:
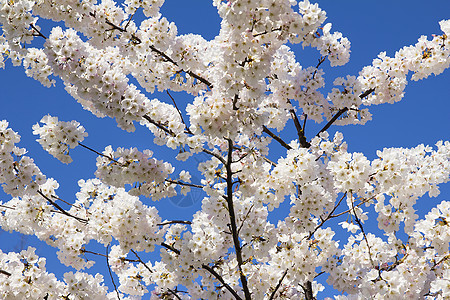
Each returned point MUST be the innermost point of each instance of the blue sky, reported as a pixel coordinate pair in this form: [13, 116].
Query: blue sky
[423, 116]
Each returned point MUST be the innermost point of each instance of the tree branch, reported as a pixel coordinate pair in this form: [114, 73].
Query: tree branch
[5, 273]
[343, 110]
[38, 32]
[98, 153]
[330, 215]
[272, 296]
[218, 277]
[276, 138]
[300, 132]
[179, 112]
[364, 234]
[150, 120]
[110, 272]
[171, 248]
[308, 291]
[61, 209]
[234, 230]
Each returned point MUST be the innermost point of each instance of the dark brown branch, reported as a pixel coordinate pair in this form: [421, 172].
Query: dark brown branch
[185, 183]
[73, 205]
[171, 248]
[110, 273]
[277, 138]
[162, 54]
[218, 277]
[335, 117]
[38, 32]
[141, 261]
[301, 134]
[61, 209]
[150, 120]
[234, 230]
[179, 112]
[440, 261]
[167, 58]
[272, 296]
[367, 93]
[364, 234]
[98, 153]
[343, 110]
[266, 32]
[5, 273]
[330, 215]
[220, 158]
[308, 291]
[174, 293]
[91, 252]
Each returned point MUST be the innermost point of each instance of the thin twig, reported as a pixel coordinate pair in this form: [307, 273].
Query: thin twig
[277, 138]
[98, 153]
[179, 112]
[5, 273]
[168, 131]
[110, 272]
[39, 33]
[171, 248]
[218, 277]
[364, 234]
[61, 209]
[141, 261]
[343, 110]
[272, 296]
[175, 294]
[357, 205]
[185, 183]
[330, 215]
[220, 158]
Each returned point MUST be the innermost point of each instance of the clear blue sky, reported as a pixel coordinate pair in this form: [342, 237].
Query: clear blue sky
[423, 116]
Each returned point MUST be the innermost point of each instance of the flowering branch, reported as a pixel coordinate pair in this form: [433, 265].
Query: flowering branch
[110, 273]
[330, 216]
[343, 110]
[218, 277]
[277, 138]
[301, 134]
[168, 131]
[272, 296]
[234, 230]
[98, 153]
[179, 112]
[61, 209]
[185, 183]
[358, 221]
[38, 32]
[171, 248]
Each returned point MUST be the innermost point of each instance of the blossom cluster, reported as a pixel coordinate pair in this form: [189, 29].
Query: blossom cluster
[57, 137]
[130, 166]
[26, 277]
[18, 174]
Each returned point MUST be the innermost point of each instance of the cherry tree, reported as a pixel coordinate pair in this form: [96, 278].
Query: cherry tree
[246, 87]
